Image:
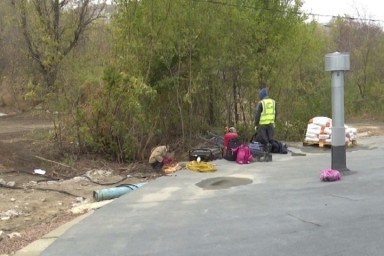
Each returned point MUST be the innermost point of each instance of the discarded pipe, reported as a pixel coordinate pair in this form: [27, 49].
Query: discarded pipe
[111, 193]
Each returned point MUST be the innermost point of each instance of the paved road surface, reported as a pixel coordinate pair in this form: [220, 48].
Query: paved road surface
[285, 210]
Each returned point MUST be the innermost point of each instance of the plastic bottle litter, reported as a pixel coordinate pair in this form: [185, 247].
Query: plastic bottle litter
[39, 171]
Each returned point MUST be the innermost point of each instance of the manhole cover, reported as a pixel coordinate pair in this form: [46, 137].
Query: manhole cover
[223, 182]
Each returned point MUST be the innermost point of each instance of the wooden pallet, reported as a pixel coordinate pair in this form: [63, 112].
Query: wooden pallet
[322, 144]
[351, 143]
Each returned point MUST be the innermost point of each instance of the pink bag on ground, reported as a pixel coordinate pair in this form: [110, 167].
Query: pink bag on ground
[244, 155]
[330, 175]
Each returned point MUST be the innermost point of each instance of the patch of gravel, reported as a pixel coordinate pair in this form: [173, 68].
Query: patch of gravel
[10, 245]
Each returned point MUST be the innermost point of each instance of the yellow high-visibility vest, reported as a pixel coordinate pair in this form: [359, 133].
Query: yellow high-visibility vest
[268, 114]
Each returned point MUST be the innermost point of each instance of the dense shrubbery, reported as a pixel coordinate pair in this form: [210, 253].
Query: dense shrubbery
[164, 71]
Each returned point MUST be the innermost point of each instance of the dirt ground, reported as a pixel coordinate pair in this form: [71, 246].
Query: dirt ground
[33, 204]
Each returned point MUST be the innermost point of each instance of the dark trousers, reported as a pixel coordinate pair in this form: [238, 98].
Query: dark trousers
[157, 166]
[264, 134]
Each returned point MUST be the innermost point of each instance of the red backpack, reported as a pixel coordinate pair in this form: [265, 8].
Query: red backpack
[244, 155]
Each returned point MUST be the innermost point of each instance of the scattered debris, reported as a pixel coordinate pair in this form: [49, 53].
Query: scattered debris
[11, 184]
[7, 215]
[83, 208]
[14, 234]
[2, 235]
[39, 171]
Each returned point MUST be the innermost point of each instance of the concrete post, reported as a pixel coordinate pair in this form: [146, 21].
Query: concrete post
[337, 63]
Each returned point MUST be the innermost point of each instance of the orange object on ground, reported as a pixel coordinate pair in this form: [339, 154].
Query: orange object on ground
[170, 168]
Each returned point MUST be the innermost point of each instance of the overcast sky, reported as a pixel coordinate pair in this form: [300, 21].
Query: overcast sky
[367, 9]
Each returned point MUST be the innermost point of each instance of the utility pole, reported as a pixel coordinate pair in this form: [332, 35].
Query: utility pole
[337, 63]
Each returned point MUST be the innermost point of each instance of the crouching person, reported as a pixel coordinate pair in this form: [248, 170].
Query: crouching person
[160, 156]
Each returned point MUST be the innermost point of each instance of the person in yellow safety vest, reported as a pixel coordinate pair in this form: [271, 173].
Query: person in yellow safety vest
[265, 119]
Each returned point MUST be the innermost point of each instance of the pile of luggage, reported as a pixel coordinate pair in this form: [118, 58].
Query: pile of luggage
[238, 150]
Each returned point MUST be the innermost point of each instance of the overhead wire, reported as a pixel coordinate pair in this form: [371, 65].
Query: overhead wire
[314, 15]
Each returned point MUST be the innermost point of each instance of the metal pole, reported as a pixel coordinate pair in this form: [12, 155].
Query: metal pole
[337, 63]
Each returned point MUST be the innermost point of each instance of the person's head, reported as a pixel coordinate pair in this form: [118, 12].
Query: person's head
[232, 129]
[170, 153]
[263, 93]
[170, 148]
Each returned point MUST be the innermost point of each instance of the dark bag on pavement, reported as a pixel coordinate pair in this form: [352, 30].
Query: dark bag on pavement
[278, 147]
[232, 147]
[205, 154]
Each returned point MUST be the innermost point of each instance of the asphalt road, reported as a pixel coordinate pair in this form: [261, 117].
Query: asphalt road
[275, 208]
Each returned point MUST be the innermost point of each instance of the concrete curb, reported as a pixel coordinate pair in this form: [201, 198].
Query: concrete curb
[35, 248]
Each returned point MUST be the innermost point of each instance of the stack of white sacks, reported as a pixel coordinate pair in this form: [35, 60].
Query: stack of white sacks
[319, 131]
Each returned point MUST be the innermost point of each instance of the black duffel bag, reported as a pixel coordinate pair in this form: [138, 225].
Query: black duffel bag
[205, 154]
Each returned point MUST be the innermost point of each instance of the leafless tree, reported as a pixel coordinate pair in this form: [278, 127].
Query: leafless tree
[52, 28]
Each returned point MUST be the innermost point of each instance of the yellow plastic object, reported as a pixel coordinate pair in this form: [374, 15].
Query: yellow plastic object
[201, 166]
